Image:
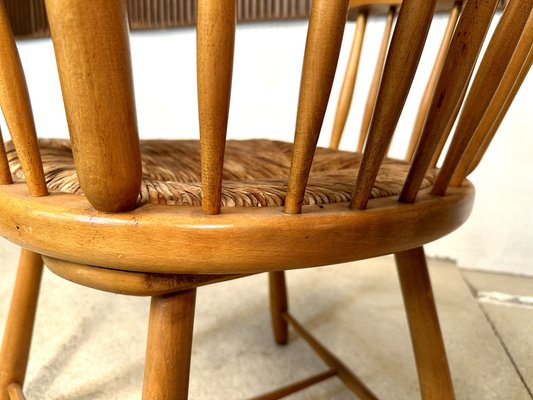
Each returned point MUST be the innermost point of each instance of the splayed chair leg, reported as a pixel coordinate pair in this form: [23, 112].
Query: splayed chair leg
[168, 350]
[19, 327]
[430, 355]
[279, 306]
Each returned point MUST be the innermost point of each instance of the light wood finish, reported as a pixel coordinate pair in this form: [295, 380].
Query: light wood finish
[494, 128]
[130, 283]
[406, 47]
[5, 174]
[16, 107]
[376, 80]
[92, 50]
[430, 355]
[296, 387]
[348, 84]
[324, 38]
[432, 82]
[15, 392]
[343, 372]
[168, 349]
[19, 327]
[170, 239]
[456, 71]
[215, 42]
[481, 138]
[279, 306]
[488, 77]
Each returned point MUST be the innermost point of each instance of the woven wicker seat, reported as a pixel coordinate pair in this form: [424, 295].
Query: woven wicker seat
[255, 173]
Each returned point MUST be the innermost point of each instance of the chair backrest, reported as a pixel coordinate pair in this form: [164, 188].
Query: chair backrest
[92, 51]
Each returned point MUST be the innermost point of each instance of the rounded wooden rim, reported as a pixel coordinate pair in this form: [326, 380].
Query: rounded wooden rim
[166, 239]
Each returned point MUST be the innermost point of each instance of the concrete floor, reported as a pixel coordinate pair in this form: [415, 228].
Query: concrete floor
[90, 345]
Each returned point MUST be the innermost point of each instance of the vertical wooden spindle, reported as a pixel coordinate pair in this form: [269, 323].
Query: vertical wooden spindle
[456, 71]
[432, 82]
[91, 43]
[376, 80]
[215, 43]
[490, 72]
[324, 37]
[16, 106]
[404, 54]
[5, 173]
[481, 136]
[348, 84]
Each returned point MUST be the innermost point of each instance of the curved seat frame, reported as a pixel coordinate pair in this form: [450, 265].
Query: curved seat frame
[174, 240]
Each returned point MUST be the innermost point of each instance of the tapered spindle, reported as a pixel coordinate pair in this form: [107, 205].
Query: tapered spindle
[5, 173]
[376, 80]
[348, 84]
[484, 133]
[490, 72]
[16, 106]
[324, 37]
[484, 146]
[432, 82]
[215, 43]
[91, 43]
[404, 54]
[456, 71]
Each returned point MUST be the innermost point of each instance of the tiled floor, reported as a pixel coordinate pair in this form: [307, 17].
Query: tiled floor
[90, 345]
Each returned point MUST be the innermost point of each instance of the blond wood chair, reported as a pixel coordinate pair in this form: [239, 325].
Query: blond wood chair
[163, 217]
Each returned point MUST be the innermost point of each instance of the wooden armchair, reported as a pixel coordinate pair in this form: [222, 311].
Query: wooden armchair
[160, 218]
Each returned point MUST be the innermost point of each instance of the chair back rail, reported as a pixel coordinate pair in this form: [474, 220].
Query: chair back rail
[348, 84]
[16, 106]
[324, 37]
[490, 72]
[5, 173]
[484, 133]
[215, 43]
[91, 42]
[404, 54]
[432, 82]
[456, 72]
[376, 79]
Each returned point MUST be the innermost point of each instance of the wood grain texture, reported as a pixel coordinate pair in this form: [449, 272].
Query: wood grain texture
[168, 348]
[130, 283]
[490, 72]
[430, 355]
[432, 82]
[404, 53]
[5, 173]
[16, 107]
[324, 38]
[296, 387]
[178, 240]
[348, 84]
[18, 331]
[484, 133]
[279, 306]
[215, 44]
[92, 51]
[376, 80]
[457, 69]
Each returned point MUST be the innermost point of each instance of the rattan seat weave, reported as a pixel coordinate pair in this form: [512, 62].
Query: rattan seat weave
[255, 173]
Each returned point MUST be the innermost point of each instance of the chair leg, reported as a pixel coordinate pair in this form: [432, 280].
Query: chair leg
[430, 355]
[19, 327]
[279, 306]
[168, 350]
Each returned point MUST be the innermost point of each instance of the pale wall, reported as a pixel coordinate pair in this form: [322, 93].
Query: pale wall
[498, 236]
